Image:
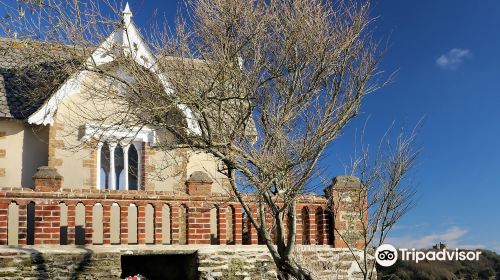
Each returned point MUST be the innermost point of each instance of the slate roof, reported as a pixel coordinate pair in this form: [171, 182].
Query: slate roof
[30, 72]
[28, 77]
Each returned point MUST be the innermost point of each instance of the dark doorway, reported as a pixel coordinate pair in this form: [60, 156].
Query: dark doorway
[171, 267]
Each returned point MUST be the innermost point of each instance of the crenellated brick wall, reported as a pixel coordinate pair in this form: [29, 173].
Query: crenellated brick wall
[48, 215]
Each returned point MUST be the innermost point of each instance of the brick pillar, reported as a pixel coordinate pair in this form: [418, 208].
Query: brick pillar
[298, 225]
[320, 226]
[221, 225]
[47, 179]
[199, 184]
[198, 227]
[158, 222]
[141, 223]
[312, 226]
[348, 198]
[174, 224]
[106, 222]
[124, 223]
[55, 221]
[238, 225]
[326, 226]
[88, 223]
[46, 224]
[22, 222]
[254, 239]
[4, 206]
[71, 223]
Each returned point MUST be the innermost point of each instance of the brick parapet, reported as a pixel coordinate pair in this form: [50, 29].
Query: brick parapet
[197, 224]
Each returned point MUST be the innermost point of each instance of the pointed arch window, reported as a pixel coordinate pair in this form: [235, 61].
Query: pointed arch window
[133, 168]
[118, 155]
[118, 166]
[103, 167]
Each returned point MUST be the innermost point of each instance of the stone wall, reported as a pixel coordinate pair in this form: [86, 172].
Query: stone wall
[43, 263]
[214, 262]
[255, 262]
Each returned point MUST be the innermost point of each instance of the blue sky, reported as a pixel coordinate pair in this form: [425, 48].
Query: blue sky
[447, 54]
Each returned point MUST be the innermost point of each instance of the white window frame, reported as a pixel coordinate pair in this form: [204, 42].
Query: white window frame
[125, 138]
[112, 185]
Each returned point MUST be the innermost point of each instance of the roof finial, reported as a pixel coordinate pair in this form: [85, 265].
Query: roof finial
[127, 15]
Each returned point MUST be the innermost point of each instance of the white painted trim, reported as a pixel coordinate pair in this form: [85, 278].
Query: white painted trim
[98, 166]
[45, 114]
[112, 172]
[125, 166]
[192, 123]
[130, 39]
[105, 133]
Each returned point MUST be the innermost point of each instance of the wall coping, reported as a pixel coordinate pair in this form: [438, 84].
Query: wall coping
[94, 194]
[146, 249]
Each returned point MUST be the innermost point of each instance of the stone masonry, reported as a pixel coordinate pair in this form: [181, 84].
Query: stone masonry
[214, 262]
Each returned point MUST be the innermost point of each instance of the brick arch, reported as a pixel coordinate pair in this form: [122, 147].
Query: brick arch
[23, 202]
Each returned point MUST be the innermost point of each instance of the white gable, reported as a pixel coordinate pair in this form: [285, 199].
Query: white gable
[130, 41]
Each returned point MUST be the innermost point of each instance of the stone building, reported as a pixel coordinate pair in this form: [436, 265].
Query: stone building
[104, 195]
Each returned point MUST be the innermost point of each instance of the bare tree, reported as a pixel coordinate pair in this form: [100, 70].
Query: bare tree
[384, 192]
[263, 86]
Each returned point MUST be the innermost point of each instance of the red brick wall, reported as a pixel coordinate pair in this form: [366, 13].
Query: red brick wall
[47, 215]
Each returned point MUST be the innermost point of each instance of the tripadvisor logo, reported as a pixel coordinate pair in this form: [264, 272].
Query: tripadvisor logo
[387, 255]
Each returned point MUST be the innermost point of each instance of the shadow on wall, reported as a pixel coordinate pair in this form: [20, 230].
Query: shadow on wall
[39, 264]
[34, 153]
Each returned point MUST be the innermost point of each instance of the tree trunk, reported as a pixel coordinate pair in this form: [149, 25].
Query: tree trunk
[288, 269]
